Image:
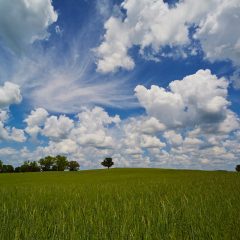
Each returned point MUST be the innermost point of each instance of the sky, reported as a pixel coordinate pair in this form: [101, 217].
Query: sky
[150, 83]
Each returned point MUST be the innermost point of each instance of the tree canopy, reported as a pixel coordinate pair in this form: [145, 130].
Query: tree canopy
[238, 168]
[48, 163]
[107, 162]
[73, 166]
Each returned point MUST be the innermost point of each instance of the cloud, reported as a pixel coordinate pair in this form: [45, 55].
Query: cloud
[218, 32]
[113, 52]
[152, 25]
[35, 121]
[147, 24]
[92, 128]
[188, 124]
[7, 151]
[9, 94]
[140, 141]
[69, 83]
[173, 138]
[197, 100]
[57, 128]
[11, 134]
[24, 21]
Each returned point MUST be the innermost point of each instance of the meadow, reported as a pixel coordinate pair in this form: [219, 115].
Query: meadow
[120, 204]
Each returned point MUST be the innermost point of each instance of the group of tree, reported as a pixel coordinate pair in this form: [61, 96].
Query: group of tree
[6, 168]
[49, 163]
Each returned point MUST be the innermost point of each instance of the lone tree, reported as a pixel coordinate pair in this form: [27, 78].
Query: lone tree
[108, 162]
[238, 168]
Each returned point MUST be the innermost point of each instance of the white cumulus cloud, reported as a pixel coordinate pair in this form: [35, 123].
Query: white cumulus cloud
[9, 94]
[198, 99]
[24, 21]
[153, 25]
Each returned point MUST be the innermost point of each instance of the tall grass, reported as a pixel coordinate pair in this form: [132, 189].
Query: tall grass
[120, 204]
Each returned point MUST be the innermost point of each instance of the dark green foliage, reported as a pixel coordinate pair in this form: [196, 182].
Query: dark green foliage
[17, 169]
[60, 163]
[73, 166]
[7, 169]
[107, 162]
[30, 167]
[238, 168]
[47, 163]
[1, 166]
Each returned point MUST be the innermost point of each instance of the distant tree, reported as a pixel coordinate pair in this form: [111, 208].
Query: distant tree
[25, 167]
[30, 167]
[238, 168]
[17, 169]
[73, 166]
[33, 167]
[1, 166]
[7, 169]
[61, 163]
[107, 162]
[47, 163]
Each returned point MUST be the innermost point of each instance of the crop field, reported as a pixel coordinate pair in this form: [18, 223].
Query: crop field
[120, 204]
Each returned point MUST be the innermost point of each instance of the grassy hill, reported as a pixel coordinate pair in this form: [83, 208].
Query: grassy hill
[120, 204]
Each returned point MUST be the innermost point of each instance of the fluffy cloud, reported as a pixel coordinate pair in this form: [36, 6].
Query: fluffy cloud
[187, 125]
[35, 121]
[218, 32]
[24, 21]
[173, 138]
[9, 94]
[92, 128]
[153, 25]
[11, 134]
[7, 151]
[57, 128]
[198, 99]
[147, 24]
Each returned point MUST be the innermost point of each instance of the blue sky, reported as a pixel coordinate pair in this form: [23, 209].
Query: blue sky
[150, 83]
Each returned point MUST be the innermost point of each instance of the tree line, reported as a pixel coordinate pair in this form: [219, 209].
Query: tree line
[49, 163]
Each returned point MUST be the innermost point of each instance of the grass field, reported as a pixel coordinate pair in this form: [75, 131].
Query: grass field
[120, 204]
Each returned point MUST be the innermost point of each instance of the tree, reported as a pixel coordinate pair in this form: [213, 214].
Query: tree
[73, 166]
[7, 169]
[107, 162]
[238, 168]
[1, 166]
[61, 163]
[17, 170]
[30, 167]
[47, 163]
[33, 167]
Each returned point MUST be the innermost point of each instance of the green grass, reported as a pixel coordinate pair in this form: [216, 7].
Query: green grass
[120, 204]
